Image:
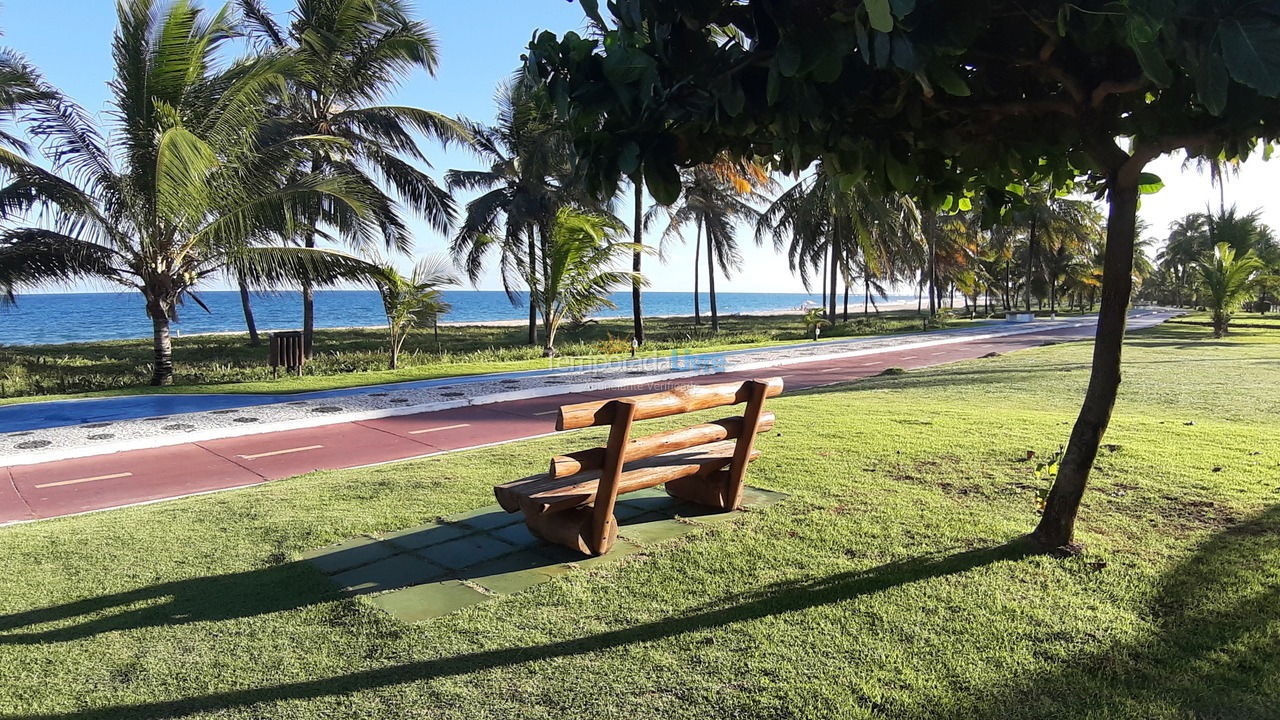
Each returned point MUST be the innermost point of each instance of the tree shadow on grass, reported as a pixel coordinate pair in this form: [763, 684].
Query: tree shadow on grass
[773, 600]
[220, 597]
[1215, 653]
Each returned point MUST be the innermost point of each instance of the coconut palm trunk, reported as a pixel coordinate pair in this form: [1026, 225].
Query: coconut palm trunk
[1031, 254]
[533, 305]
[711, 284]
[831, 298]
[246, 306]
[637, 314]
[697, 263]
[162, 347]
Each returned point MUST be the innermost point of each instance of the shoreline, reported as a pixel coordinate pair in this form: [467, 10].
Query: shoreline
[511, 323]
[780, 312]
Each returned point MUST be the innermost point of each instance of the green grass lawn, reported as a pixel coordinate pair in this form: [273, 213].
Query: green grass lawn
[347, 358]
[1263, 320]
[890, 583]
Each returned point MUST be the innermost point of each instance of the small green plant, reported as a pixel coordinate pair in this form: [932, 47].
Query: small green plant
[893, 371]
[814, 322]
[612, 346]
[1046, 472]
[941, 319]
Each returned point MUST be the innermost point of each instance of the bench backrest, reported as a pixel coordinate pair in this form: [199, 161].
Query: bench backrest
[620, 413]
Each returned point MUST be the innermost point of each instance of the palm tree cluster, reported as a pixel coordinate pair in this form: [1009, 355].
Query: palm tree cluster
[212, 168]
[248, 169]
[1193, 270]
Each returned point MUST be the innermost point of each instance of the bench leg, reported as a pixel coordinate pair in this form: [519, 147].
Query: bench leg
[716, 490]
[571, 528]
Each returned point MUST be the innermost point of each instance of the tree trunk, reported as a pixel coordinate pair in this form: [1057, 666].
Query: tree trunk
[1057, 524]
[394, 362]
[550, 324]
[247, 307]
[637, 316]
[866, 295]
[931, 267]
[308, 310]
[846, 301]
[163, 347]
[831, 300]
[824, 282]
[711, 285]
[533, 305]
[697, 262]
[1031, 252]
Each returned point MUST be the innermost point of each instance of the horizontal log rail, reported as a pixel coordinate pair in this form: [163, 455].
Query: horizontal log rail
[545, 494]
[657, 444]
[689, 398]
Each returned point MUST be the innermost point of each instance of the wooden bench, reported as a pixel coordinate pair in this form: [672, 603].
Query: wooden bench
[572, 504]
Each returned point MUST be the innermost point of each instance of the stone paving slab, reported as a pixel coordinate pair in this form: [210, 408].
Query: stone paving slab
[437, 568]
[37, 446]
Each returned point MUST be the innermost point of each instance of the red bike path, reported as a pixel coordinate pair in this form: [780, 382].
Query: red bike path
[67, 487]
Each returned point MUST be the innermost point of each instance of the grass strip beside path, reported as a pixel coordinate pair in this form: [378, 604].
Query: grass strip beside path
[889, 585]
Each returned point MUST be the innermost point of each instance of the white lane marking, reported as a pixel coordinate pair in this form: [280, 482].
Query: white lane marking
[286, 451]
[831, 369]
[547, 412]
[942, 352]
[85, 480]
[873, 362]
[438, 429]
[911, 357]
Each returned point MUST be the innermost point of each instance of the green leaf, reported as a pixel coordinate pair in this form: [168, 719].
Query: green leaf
[880, 14]
[965, 204]
[1149, 183]
[629, 158]
[901, 176]
[902, 8]
[662, 179]
[1252, 54]
[1211, 83]
[1153, 63]
[788, 57]
[734, 100]
[950, 81]
[773, 86]
[904, 53]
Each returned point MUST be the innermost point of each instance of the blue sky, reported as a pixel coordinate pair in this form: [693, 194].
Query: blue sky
[480, 44]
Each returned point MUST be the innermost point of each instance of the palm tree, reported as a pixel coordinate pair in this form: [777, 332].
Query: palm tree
[346, 56]
[715, 198]
[1188, 240]
[575, 274]
[193, 185]
[1227, 280]
[523, 187]
[849, 231]
[1052, 220]
[1219, 169]
[412, 301]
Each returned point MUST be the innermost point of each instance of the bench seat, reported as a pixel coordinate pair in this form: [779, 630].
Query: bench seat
[543, 493]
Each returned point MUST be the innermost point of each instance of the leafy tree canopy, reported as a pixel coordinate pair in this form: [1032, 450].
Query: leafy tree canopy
[934, 97]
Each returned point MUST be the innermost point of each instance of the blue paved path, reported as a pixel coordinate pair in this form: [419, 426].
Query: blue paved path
[57, 413]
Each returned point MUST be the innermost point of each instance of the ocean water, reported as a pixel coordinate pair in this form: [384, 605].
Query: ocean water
[80, 317]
